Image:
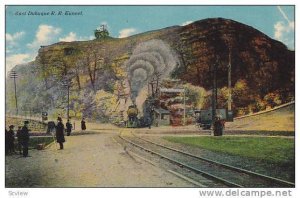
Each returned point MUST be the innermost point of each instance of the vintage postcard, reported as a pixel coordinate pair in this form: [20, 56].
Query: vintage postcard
[150, 96]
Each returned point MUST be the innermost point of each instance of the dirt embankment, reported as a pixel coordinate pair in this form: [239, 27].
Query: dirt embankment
[281, 119]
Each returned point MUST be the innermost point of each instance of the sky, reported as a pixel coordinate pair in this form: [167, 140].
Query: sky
[25, 33]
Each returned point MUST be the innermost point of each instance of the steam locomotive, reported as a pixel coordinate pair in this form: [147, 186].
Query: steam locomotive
[133, 121]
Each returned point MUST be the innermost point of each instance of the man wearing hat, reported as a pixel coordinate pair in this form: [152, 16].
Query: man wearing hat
[218, 126]
[83, 126]
[69, 127]
[11, 139]
[6, 141]
[60, 137]
[19, 138]
[24, 137]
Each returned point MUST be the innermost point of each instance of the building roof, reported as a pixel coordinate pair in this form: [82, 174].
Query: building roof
[171, 90]
[161, 111]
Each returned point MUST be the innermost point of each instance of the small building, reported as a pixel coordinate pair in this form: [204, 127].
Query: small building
[161, 117]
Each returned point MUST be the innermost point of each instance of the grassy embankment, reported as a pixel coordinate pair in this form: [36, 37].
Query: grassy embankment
[269, 149]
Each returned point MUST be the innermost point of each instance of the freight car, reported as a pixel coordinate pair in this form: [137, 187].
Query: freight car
[204, 117]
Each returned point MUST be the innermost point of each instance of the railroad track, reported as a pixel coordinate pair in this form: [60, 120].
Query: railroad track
[229, 175]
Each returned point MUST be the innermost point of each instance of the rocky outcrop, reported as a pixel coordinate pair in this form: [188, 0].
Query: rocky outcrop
[264, 64]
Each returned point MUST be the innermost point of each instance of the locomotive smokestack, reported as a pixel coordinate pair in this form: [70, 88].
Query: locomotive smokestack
[133, 97]
[134, 102]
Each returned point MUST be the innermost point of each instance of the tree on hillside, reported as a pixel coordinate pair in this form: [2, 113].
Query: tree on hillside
[42, 67]
[78, 68]
[95, 60]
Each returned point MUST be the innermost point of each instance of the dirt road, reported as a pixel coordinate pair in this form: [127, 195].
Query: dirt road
[94, 160]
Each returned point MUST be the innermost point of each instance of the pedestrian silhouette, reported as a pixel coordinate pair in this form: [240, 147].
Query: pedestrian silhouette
[6, 141]
[25, 138]
[60, 137]
[19, 138]
[83, 126]
[11, 139]
[69, 128]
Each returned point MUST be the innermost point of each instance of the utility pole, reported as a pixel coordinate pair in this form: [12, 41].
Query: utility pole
[13, 74]
[214, 94]
[67, 84]
[68, 113]
[229, 81]
[184, 110]
[152, 87]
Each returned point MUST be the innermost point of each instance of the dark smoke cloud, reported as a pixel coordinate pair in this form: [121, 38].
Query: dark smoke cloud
[147, 59]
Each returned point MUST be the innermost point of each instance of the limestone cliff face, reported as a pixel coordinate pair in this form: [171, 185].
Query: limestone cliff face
[264, 64]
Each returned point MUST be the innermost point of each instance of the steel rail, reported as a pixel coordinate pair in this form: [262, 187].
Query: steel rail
[224, 181]
[273, 179]
[190, 180]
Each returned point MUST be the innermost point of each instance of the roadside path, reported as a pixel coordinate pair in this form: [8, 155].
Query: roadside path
[93, 160]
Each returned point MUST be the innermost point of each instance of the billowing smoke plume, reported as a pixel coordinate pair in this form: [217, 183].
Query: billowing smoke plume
[149, 59]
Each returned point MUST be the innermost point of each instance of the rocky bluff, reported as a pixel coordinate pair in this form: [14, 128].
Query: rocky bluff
[263, 64]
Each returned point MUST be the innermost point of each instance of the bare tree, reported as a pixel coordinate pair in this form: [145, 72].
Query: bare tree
[42, 67]
[94, 61]
[77, 70]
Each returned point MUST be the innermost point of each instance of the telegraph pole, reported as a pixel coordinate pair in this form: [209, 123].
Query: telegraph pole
[68, 84]
[152, 87]
[214, 91]
[68, 111]
[13, 74]
[229, 81]
[184, 110]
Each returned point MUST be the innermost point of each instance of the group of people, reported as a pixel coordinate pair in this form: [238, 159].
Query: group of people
[22, 138]
[60, 137]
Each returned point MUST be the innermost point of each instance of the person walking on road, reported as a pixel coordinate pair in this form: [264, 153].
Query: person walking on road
[25, 138]
[11, 139]
[83, 126]
[69, 128]
[60, 137]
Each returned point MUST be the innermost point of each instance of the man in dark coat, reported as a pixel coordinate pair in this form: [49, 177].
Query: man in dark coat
[69, 128]
[83, 126]
[51, 127]
[6, 141]
[60, 137]
[25, 138]
[19, 136]
[218, 126]
[11, 139]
